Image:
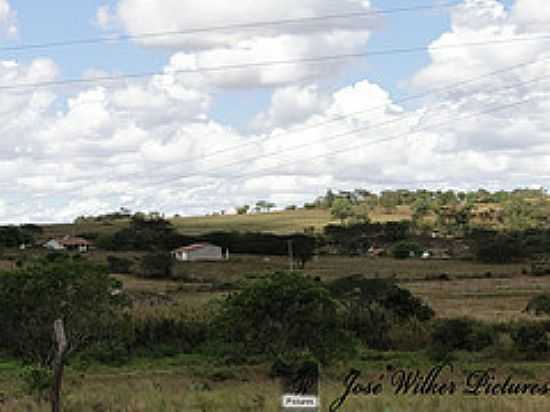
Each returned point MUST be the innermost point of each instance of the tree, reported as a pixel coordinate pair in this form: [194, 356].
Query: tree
[157, 265]
[361, 212]
[341, 209]
[71, 291]
[519, 214]
[283, 315]
[33, 297]
[304, 246]
[243, 210]
[406, 248]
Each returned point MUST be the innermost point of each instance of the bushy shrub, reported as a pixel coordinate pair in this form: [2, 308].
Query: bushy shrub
[157, 265]
[398, 301]
[37, 381]
[406, 248]
[409, 335]
[373, 306]
[281, 315]
[498, 249]
[461, 334]
[119, 264]
[539, 305]
[33, 297]
[531, 340]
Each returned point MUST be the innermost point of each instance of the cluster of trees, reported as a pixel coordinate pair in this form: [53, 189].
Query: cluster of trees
[452, 211]
[160, 236]
[260, 206]
[13, 236]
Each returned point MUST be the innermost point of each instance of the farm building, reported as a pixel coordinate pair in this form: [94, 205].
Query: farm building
[69, 243]
[199, 252]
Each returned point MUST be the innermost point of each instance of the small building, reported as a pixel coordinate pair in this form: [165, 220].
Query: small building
[200, 252]
[70, 243]
[374, 251]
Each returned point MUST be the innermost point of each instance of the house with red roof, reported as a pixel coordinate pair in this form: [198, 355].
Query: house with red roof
[199, 252]
[71, 243]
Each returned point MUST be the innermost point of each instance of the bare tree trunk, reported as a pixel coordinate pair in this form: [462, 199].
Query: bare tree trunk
[58, 365]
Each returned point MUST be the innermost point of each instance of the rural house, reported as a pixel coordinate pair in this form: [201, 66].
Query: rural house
[199, 252]
[69, 243]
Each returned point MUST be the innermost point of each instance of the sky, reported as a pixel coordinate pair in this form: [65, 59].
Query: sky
[184, 140]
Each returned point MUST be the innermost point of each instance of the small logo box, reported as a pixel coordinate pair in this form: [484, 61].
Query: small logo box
[302, 402]
[300, 387]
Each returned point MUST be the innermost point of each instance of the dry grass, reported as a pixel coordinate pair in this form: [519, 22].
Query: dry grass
[183, 394]
[486, 299]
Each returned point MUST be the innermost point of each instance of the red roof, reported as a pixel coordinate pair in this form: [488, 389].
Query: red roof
[190, 248]
[73, 241]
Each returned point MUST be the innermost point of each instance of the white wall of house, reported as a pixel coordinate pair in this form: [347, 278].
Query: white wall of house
[206, 253]
[54, 245]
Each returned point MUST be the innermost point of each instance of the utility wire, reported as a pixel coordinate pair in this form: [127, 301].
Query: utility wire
[325, 139]
[390, 138]
[335, 119]
[309, 60]
[272, 23]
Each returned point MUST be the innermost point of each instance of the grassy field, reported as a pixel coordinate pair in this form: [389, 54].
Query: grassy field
[468, 292]
[186, 383]
[280, 222]
[195, 383]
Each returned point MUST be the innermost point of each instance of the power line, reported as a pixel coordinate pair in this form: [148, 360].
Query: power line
[367, 110]
[330, 138]
[309, 60]
[117, 37]
[390, 138]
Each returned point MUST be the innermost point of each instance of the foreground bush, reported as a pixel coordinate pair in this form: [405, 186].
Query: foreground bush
[32, 298]
[374, 306]
[460, 334]
[531, 340]
[283, 315]
[540, 305]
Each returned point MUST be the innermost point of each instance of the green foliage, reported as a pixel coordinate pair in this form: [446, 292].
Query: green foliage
[13, 236]
[531, 340]
[157, 265]
[37, 381]
[119, 264]
[282, 315]
[539, 305]
[405, 248]
[33, 297]
[151, 233]
[374, 305]
[519, 214]
[303, 247]
[460, 334]
[341, 209]
[243, 210]
[500, 248]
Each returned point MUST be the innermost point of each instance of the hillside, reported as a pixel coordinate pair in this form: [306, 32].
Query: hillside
[281, 222]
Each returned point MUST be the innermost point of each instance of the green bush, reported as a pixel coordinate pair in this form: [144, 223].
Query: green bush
[461, 334]
[531, 340]
[404, 249]
[157, 265]
[364, 292]
[37, 381]
[283, 314]
[33, 297]
[119, 264]
[539, 305]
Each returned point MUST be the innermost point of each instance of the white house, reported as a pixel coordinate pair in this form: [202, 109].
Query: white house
[68, 243]
[199, 252]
